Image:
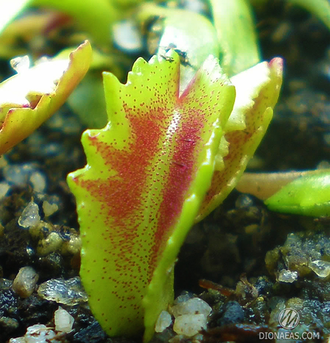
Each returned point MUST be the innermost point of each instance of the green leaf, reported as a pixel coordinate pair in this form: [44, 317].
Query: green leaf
[9, 10]
[308, 195]
[85, 105]
[15, 35]
[146, 175]
[35, 94]
[178, 31]
[320, 8]
[93, 16]
[257, 91]
[264, 185]
[237, 36]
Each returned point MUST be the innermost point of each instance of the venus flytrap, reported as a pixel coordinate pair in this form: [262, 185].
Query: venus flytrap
[148, 172]
[168, 156]
[175, 145]
[146, 175]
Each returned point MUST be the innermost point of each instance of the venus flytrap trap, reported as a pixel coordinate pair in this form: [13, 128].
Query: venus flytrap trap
[168, 156]
[147, 174]
[35, 94]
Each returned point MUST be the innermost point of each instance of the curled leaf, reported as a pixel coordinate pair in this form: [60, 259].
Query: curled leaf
[35, 94]
[146, 175]
[257, 91]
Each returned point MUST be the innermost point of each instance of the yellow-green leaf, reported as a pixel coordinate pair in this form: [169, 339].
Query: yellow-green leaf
[146, 175]
[95, 17]
[233, 20]
[257, 91]
[307, 195]
[35, 94]
[9, 10]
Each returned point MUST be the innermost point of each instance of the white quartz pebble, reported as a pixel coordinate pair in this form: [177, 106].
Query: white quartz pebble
[164, 321]
[30, 215]
[63, 320]
[192, 306]
[38, 333]
[25, 282]
[190, 324]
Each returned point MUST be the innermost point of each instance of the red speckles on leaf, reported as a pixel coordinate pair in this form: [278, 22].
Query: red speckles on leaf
[147, 172]
[257, 93]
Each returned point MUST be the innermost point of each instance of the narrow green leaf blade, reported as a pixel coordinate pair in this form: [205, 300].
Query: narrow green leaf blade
[308, 195]
[233, 20]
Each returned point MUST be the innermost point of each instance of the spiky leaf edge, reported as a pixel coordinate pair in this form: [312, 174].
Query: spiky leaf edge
[161, 282]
